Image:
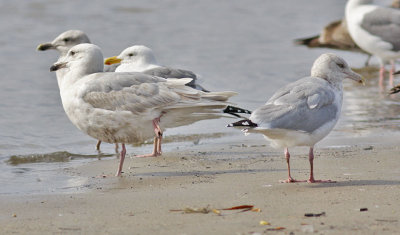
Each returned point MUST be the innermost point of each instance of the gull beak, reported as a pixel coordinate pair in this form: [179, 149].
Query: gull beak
[112, 60]
[45, 46]
[356, 77]
[395, 90]
[57, 66]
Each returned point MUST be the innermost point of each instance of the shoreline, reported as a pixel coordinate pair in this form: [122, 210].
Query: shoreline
[222, 176]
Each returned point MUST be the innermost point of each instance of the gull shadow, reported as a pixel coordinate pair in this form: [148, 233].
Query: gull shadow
[356, 183]
[206, 173]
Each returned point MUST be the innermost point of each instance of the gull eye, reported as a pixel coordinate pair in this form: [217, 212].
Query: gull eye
[340, 65]
[67, 39]
[72, 53]
[132, 54]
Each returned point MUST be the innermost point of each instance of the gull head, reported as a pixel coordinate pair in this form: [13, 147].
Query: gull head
[333, 69]
[133, 55]
[65, 41]
[83, 59]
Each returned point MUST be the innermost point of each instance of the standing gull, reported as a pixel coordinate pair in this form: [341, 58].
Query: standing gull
[375, 29]
[303, 112]
[128, 107]
[62, 43]
[140, 58]
[336, 36]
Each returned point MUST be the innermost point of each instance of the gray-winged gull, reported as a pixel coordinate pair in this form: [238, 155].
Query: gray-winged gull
[375, 29]
[62, 43]
[128, 107]
[140, 58]
[305, 111]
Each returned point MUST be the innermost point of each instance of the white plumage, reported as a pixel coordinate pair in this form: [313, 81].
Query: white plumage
[375, 29]
[128, 107]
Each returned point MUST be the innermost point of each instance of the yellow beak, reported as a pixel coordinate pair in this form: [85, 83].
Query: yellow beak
[112, 60]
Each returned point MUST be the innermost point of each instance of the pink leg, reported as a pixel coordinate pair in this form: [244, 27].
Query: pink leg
[157, 140]
[116, 147]
[159, 145]
[290, 179]
[311, 179]
[392, 70]
[121, 160]
[159, 134]
[154, 153]
[381, 77]
[98, 145]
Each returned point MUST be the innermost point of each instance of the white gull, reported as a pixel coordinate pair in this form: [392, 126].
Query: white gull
[375, 29]
[140, 58]
[62, 43]
[128, 107]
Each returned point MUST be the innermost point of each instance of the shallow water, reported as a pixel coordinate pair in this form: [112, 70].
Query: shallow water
[234, 45]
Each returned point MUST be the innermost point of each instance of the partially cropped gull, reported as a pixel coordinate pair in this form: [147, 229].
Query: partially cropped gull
[303, 112]
[129, 107]
[375, 29]
[395, 89]
[140, 58]
[62, 43]
[335, 35]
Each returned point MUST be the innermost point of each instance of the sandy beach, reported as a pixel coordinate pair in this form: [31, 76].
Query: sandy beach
[59, 184]
[364, 200]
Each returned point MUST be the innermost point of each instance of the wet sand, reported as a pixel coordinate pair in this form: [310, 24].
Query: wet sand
[222, 176]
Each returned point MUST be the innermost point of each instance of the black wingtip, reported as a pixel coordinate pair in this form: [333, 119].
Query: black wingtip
[244, 123]
[232, 110]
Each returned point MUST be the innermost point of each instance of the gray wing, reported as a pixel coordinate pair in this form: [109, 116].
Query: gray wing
[166, 72]
[134, 92]
[304, 105]
[384, 23]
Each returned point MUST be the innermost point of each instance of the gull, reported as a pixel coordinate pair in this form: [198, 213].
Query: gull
[375, 29]
[395, 89]
[62, 43]
[140, 58]
[336, 36]
[305, 111]
[128, 107]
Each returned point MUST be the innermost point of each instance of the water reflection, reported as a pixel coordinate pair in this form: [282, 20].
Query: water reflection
[51, 157]
[367, 108]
